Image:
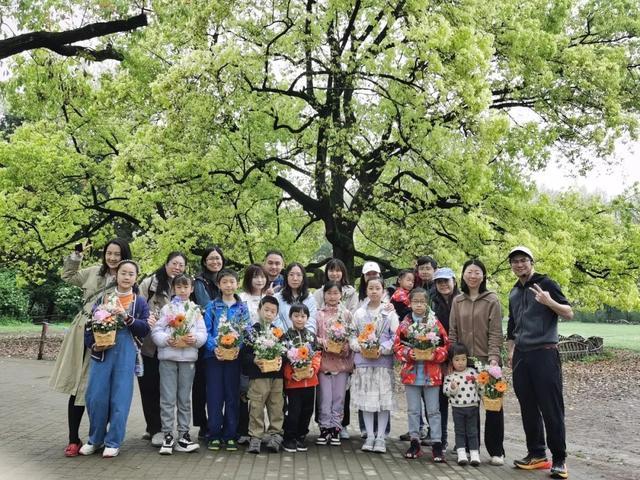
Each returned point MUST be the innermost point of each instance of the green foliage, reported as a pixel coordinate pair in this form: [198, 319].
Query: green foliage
[13, 301]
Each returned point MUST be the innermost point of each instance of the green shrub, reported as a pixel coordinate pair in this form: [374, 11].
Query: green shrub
[14, 301]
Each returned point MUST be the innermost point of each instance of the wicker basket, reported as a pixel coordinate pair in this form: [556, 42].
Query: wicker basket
[104, 339]
[423, 354]
[333, 346]
[492, 404]
[270, 365]
[228, 353]
[371, 353]
[303, 372]
[181, 342]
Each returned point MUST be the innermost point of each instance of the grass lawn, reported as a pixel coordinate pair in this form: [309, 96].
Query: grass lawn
[614, 335]
[20, 328]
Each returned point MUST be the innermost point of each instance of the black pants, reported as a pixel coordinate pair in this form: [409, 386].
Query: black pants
[300, 404]
[74, 417]
[494, 433]
[537, 382]
[149, 385]
[199, 396]
[465, 421]
[346, 418]
[444, 417]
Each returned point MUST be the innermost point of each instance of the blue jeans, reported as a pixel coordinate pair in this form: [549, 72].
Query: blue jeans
[431, 395]
[223, 398]
[109, 392]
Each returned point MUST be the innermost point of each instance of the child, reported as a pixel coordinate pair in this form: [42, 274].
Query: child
[400, 298]
[422, 378]
[177, 364]
[334, 367]
[110, 387]
[223, 376]
[300, 392]
[461, 388]
[265, 388]
[372, 381]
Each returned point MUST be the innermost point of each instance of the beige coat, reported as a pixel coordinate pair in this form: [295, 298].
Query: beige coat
[158, 300]
[478, 324]
[71, 370]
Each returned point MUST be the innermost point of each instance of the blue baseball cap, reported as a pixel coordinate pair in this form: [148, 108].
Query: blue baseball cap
[443, 273]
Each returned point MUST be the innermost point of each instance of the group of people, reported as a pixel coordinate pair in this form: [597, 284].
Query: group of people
[227, 391]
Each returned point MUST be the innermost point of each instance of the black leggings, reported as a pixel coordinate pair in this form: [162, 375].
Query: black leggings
[74, 415]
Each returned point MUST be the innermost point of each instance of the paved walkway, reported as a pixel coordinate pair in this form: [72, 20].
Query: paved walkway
[34, 431]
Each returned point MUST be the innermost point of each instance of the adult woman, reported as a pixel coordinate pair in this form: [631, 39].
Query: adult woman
[205, 287]
[254, 286]
[476, 321]
[156, 289]
[295, 290]
[446, 290]
[70, 372]
[336, 271]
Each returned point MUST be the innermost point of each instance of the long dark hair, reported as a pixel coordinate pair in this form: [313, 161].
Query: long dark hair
[362, 288]
[125, 253]
[164, 285]
[287, 293]
[135, 289]
[252, 271]
[337, 264]
[205, 272]
[483, 285]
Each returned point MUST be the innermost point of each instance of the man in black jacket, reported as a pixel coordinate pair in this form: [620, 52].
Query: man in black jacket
[535, 303]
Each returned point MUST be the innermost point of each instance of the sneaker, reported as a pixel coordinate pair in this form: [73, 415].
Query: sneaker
[72, 450]
[368, 445]
[405, 437]
[145, 436]
[167, 445]
[559, 470]
[531, 462]
[89, 449]
[254, 445]
[496, 460]
[202, 433]
[157, 439]
[231, 446]
[324, 438]
[214, 445]
[474, 458]
[414, 450]
[335, 438]
[363, 435]
[301, 445]
[274, 443]
[380, 446]
[185, 444]
[244, 440]
[436, 452]
[344, 434]
[462, 457]
[290, 446]
[110, 452]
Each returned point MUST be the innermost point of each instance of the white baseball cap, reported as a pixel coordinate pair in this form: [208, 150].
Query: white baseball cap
[520, 249]
[370, 267]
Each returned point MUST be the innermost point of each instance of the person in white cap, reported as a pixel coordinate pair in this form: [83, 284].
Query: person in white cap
[535, 303]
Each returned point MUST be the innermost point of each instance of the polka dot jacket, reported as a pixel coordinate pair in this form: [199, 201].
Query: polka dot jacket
[466, 393]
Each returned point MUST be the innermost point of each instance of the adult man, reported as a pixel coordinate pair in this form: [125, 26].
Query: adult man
[535, 303]
[273, 264]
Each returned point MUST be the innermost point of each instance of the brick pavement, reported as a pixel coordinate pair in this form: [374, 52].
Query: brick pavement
[34, 432]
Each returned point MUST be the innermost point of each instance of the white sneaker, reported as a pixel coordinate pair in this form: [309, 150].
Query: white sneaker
[167, 445]
[110, 452]
[380, 446]
[368, 444]
[88, 449]
[157, 440]
[498, 461]
[462, 457]
[185, 444]
[474, 458]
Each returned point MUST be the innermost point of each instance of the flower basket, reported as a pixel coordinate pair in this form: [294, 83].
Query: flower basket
[228, 353]
[371, 353]
[272, 365]
[104, 339]
[333, 346]
[423, 354]
[492, 404]
[181, 342]
[303, 372]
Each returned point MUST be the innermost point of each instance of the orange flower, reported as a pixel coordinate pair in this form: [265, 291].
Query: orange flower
[227, 340]
[362, 337]
[369, 328]
[501, 386]
[179, 319]
[277, 332]
[304, 352]
[483, 378]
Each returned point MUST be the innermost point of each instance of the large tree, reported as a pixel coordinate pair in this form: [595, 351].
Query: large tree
[388, 128]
